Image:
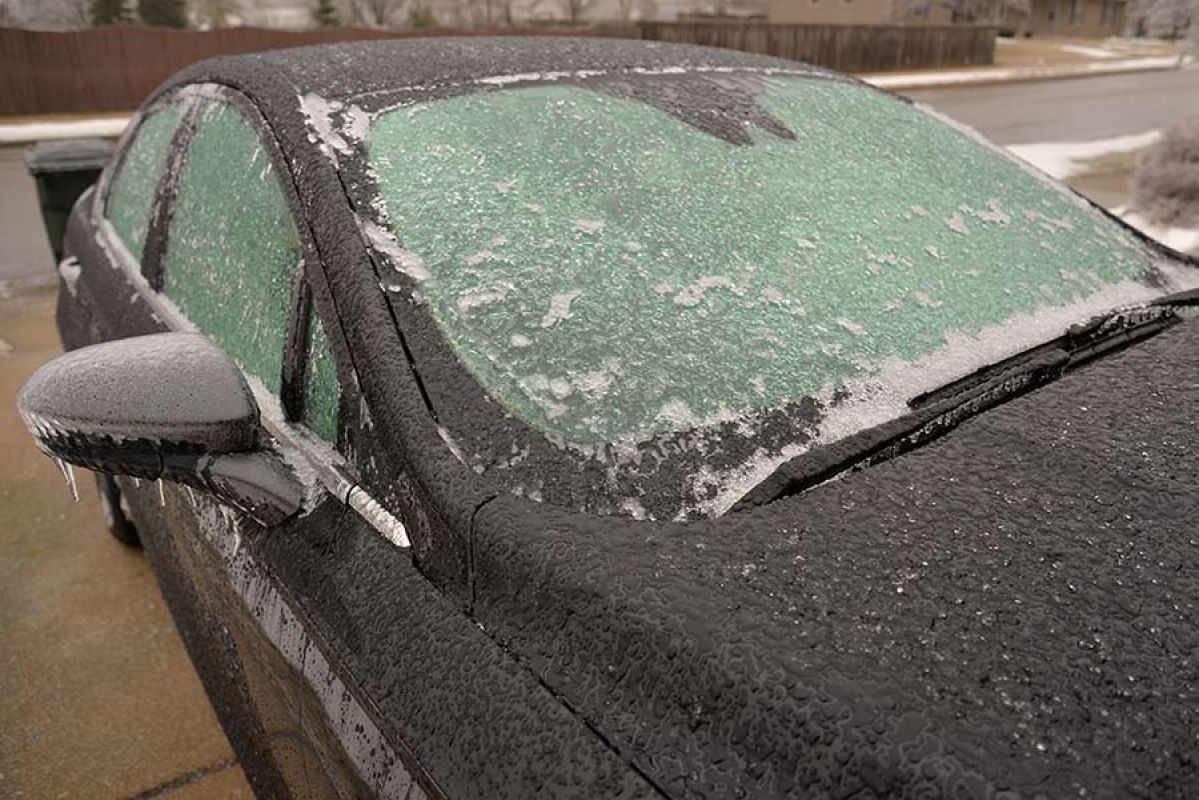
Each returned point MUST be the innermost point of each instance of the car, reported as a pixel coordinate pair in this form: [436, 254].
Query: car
[569, 417]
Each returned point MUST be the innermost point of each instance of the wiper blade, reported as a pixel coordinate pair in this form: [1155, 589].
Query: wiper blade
[1083, 342]
[937, 412]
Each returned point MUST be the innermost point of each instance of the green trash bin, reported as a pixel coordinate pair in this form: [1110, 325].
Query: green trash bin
[63, 170]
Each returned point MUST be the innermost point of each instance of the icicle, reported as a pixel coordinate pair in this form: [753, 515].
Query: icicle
[137, 483]
[68, 475]
[70, 472]
[162, 498]
[191, 496]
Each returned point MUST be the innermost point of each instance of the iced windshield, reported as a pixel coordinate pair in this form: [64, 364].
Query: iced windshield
[609, 268]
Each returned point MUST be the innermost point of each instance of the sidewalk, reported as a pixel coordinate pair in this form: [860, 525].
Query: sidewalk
[1019, 60]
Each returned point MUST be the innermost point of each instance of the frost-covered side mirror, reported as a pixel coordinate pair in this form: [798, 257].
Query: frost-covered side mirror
[171, 406]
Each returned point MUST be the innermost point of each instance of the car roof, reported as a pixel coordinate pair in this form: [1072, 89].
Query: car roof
[356, 69]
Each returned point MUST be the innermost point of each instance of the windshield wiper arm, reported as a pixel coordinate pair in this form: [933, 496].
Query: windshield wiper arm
[937, 412]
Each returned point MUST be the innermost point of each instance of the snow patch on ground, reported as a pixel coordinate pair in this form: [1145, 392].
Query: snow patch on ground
[945, 77]
[27, 133]
[1184, 240]
[1089, 52]
[1064, 159]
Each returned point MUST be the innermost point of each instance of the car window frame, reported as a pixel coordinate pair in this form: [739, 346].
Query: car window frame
[294, 361]
[310, 292]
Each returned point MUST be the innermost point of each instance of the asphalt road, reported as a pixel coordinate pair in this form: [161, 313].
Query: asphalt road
[1076, 110]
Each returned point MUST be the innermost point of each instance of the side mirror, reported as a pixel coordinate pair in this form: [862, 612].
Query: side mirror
[170, 406]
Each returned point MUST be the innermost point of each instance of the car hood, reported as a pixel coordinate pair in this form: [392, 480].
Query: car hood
[1011, 607]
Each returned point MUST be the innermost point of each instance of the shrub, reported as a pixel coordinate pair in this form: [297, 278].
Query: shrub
[1166, 184]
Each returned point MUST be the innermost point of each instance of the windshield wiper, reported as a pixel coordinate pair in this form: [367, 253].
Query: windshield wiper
[937, 412]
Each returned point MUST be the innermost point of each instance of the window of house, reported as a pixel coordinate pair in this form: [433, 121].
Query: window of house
[133, 188]
[232, 248]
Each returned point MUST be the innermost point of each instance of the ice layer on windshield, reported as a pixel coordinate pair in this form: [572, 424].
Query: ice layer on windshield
[609, 271]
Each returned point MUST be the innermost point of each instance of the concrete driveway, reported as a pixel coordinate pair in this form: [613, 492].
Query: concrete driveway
[98, 698]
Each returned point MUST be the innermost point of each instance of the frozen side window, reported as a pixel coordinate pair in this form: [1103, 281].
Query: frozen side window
[321, 391]
[232, 247]
[133, 189]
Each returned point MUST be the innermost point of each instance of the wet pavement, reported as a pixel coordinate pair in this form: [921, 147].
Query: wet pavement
[1075, 110]
[98, 698]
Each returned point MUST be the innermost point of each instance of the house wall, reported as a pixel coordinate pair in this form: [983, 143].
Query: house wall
[1083, 18]
[829, 11]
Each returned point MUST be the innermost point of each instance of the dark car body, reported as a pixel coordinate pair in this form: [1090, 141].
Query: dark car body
[1008, 610]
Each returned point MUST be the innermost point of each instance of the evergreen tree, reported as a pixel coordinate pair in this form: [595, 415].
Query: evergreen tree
[168, 13]
[325, 14]
[108, 12]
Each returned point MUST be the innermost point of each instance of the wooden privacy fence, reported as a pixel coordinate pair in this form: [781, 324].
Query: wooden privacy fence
[850, 48]
[113, 69]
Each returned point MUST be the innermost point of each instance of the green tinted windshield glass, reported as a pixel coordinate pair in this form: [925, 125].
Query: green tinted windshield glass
[608, 270]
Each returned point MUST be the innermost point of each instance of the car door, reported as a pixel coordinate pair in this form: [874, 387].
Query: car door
[219, 250]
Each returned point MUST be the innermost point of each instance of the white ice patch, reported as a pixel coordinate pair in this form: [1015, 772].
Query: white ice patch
[334, 126]
[559, 308]
[774, 296]
[451, 443]
[405, 261]
[994, 213]
[475, 259]
[677, 414]
[958, 225]
[693, 293]
[357, 126]
[520, 340]
[546, 393]
[851, 326]
[318, 112]
[483, 296]
[70, 271]
[589, 225]
[721, 489]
